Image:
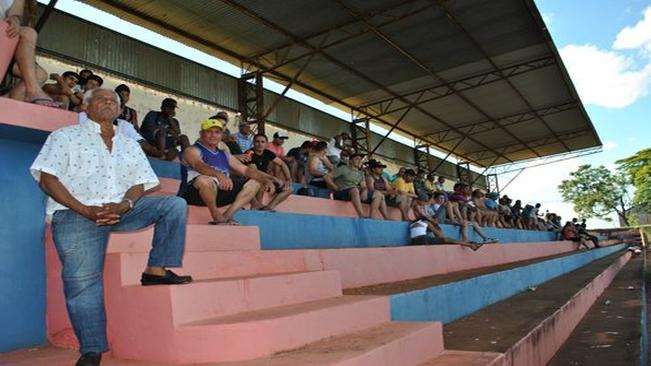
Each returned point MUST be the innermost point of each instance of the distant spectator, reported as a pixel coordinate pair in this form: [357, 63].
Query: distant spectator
[163, 131]
[430, 183]
[297, 159]
[318, 166]
[61, 90]
[375, 180]
[264, 160]
[570, 233]
[490, 202]
[276, 145]
[210, 182]
[83, 77]
[336, 145]
[533, 217]
[440, 208]
[582, 230]
[128, 114]
[399, 174]
[419, 183]
[31, 75]
[244, 137]
[348, 184]
[440, 184]
[406, 193]
[505, 213]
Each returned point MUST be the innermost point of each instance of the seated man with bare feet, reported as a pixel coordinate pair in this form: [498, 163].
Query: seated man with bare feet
[418, 234]
[209, 180]
[62, 90]
[30, 76]
[265, 161]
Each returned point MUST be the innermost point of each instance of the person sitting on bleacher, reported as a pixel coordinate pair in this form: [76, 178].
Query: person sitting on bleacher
[96, 179]
[570, 233]
[297, 158]
[244, 136]
[430, 183]
[440, 184]
[337, 145]
[128, 114]
[399, 174]
[210, 182]
[265, 161]
[163, 131]
[61, 90]
[31, 75]
[404, 187]
[92, 82]
[318, 166]
[348, 184]
[377, 181]
[582, 230]
[418, 234]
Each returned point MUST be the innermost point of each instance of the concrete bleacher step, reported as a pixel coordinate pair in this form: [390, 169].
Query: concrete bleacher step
[610, 333]
[278, 329]
[527, 329]
[390, 344]
[198, 238]
[212, 298]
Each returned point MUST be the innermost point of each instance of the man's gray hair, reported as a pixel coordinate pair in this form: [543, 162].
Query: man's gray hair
[89, 95]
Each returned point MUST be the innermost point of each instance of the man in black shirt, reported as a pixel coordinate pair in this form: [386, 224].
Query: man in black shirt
[263, 159]
[163, 131]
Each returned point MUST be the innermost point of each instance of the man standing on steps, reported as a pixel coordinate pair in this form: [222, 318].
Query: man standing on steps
[95, 179]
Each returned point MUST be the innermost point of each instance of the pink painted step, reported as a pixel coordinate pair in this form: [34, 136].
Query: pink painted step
[212, 298]
[222, 264]
[199, 238]
[390, 344]
[263, 333]
[29, 115]
[7, 48]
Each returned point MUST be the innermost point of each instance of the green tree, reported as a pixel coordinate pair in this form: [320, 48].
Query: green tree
[638, 168]
[597, 192]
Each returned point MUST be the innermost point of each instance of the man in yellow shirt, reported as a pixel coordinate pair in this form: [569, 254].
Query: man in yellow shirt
[406, 193]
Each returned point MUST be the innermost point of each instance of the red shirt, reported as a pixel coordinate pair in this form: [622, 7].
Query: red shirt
[278, 150]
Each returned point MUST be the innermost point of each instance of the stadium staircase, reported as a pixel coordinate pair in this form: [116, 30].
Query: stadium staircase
[312, 285]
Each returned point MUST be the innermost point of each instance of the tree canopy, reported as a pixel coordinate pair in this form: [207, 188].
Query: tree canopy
[638, 168]
[597, 192]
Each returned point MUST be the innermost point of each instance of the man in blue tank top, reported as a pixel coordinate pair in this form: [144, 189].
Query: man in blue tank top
[210, 183]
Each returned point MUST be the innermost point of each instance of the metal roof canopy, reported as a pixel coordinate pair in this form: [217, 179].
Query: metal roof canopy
[480, 80]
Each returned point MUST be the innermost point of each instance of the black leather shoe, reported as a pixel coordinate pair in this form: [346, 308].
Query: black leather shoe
[89, 359]
[170, 278]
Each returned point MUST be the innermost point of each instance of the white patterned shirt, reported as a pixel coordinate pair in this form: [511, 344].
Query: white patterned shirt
[78, 157]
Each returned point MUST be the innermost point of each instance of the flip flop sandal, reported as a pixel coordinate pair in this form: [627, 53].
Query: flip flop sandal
[230, 222]
[477, 246]
[267, 209]
[46, 102]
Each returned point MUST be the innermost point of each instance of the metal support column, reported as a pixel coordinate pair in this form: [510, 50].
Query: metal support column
[360, 132]
[251, 100]
[463, 172]
[421, 157]
[492, 183]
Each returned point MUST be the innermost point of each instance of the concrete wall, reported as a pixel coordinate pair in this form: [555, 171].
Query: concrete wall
[452, 301]
[22, 262]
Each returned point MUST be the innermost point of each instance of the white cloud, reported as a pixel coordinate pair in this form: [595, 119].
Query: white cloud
[636, 36]
[610, 145]
[605, 78]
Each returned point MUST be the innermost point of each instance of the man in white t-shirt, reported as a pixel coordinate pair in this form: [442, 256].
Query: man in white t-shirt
[335, 146]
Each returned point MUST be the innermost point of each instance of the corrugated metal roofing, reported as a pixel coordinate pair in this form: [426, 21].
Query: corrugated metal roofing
[479, 78]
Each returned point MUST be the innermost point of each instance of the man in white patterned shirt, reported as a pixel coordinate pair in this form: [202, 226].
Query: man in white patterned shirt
[95, 178]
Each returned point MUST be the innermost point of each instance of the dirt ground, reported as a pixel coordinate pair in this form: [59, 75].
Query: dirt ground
[609, 334]
[499, 326]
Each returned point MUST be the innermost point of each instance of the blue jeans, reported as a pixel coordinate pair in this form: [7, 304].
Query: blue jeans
[81, 246]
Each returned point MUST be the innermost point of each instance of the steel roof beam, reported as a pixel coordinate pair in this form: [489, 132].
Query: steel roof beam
[363, 31]
[355, 21]
[467, 83]
[433, 74]
[481, 49]
[198, 40]
[509, 120]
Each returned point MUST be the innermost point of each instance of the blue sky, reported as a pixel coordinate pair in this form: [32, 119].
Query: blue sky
[605, 45]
